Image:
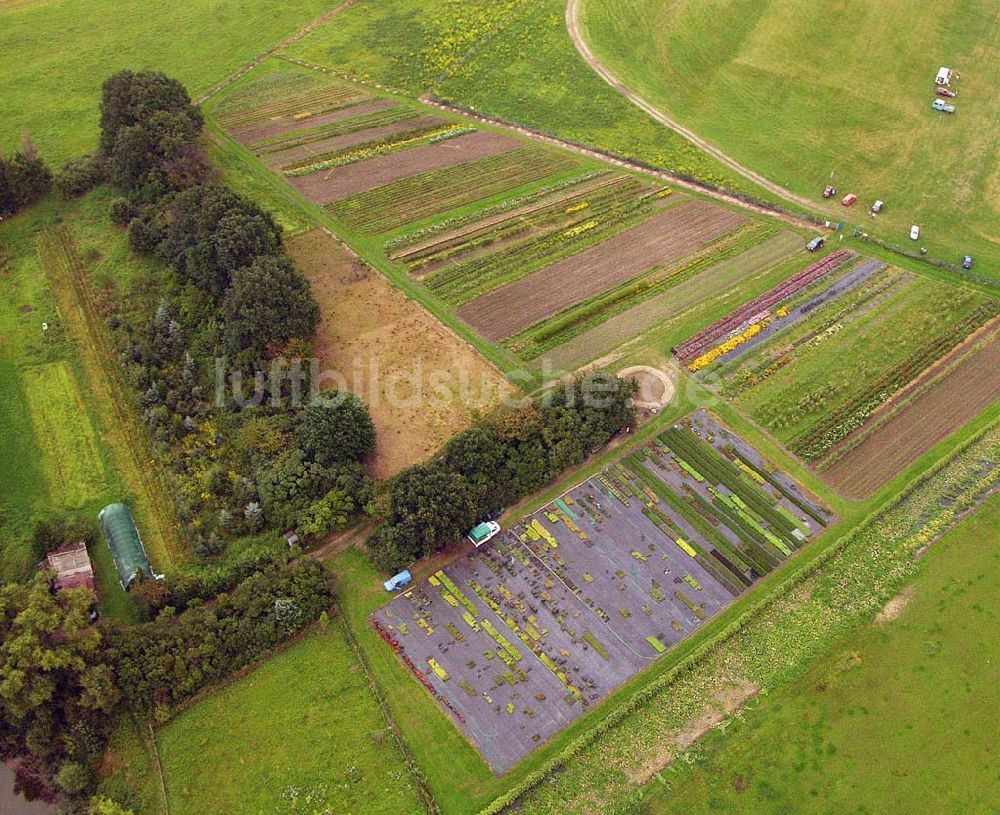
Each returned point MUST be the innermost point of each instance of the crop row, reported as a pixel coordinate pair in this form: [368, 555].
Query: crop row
[694, 346]
[723, 561]
[581, 202]
[756, 325]
[343, 127]
[820, 329]
[721, 471]
[298, 107]
[836, 425]
[425, 134]
[563, 327]
[428, 233]
[412, 199]
[463, 282]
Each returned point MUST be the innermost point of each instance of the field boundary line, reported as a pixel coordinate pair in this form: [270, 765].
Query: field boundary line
[280, 46]
[602, 70]
[423, 789]
[159, 769]
[800, 221]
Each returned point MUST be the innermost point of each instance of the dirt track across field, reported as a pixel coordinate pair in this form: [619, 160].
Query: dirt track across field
[327, 186]
[602, 70]
[660, 239]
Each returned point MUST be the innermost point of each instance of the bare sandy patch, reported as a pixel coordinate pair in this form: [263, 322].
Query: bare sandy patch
[895, 606]
[421, 382]
[731, 698]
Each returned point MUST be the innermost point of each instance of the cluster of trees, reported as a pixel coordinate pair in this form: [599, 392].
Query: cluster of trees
[236, 296]
[57, 688]
[162, 663]
[151, 135]
[24, 179]
[507, 455]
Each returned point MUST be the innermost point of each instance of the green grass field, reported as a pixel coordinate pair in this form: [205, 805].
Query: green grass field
[300, 733]
[62, 446]
[862, 731]
[798, 92]
[69, 455]
[56, 54]
[510, 59]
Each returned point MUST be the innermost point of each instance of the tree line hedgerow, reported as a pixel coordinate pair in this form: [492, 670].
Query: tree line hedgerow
[511, 453]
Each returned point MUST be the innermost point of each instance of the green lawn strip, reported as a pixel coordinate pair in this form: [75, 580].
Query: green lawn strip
[837, 711]
[250, 177]
[21, 477]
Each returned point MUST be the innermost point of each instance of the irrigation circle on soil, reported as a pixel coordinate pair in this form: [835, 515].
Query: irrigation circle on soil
[656, 387]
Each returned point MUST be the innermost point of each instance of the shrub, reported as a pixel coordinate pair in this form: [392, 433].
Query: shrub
[80, 175]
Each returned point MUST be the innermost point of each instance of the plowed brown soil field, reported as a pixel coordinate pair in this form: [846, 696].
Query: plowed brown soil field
[420, 381]
[331, 185]
[662, 238]
[931, 417]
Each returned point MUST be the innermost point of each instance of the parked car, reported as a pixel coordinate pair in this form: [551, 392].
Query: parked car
[849, 199]
[946, 92]
[914, 232]
[815, 243]
[967, 262]
[877, 207]
[829, 192]
[398, 581]
[944, 107]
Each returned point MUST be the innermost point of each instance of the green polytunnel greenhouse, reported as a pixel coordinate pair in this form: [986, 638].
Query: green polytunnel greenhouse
[126, 547]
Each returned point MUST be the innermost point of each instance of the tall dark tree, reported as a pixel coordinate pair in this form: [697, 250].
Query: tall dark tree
[129, 98]
[429, 507]
[24, 179]
[149, 134]
[268, 302]
[336, 432]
